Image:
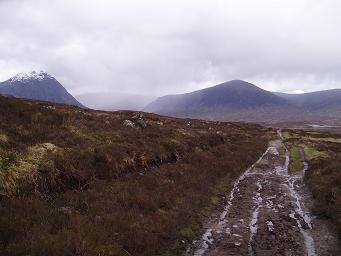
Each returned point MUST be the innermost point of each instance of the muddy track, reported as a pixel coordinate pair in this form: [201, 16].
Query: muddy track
[267, 213]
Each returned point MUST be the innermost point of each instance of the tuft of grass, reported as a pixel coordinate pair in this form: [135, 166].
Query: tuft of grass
[290, 134]
[23, 173]
[186, 233]
[3, 138]
[286, 135]
[295, 160]
[282, 151]
[311, 153]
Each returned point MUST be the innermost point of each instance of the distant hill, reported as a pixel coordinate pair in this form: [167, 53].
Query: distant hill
[238, 100]
[235, 94]
[114, 101]
[320, 100]
[37, 86]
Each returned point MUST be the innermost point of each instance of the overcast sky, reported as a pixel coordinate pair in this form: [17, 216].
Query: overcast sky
[162, 47]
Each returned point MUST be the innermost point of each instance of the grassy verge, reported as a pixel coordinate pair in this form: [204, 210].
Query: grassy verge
[324, 180]
[282, 151]
[323, 152]
[286, 135]
[311, 153]
[77, 182]
[296, 163]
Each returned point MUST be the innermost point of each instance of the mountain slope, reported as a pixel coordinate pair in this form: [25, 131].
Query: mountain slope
[318, 101]
[39, 86]
[221, 102]
[241, 101]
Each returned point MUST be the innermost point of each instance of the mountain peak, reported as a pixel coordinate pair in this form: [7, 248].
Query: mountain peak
[238, 83]
[37, 86]
[225, 99]
[33, 75]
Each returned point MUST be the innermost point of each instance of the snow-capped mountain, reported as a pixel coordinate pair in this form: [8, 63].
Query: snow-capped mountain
[38, 86]
[22, 77]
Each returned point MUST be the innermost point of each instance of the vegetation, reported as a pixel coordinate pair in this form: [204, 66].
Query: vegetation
[296, 163]
[311, 153]
[77, 182]
[286, 134]
[282, 151]
[323, 152]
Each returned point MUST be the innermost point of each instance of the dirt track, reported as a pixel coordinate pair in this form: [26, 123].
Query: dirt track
[267, 213]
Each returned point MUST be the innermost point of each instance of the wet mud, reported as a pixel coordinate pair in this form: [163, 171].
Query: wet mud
[267, 213]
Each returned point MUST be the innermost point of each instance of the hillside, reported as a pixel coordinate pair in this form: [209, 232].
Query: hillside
[315, 101]
[76, 181]
[236, 94]
[241, 101]
[38, 86]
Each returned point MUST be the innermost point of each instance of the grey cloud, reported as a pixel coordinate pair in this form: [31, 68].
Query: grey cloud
[160, 47]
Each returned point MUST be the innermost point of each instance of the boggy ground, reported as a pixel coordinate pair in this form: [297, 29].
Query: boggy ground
[78, 182]
[267, 213]
[322, 151]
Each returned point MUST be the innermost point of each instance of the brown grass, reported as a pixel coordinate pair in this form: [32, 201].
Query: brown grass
[76, 182]
[324, 180]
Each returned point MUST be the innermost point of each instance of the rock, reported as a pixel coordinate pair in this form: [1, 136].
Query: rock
[49, 107]
[128, 123]
[270, 226]
[141, 123]
[138, 120]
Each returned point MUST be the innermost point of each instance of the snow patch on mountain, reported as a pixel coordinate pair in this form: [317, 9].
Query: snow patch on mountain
[22, 77]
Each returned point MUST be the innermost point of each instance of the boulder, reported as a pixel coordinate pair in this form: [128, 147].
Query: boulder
[128, 123]
[139, 121]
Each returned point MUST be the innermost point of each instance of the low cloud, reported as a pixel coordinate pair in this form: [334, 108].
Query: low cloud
[162, 47]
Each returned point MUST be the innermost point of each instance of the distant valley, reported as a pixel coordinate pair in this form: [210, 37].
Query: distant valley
[114, 101]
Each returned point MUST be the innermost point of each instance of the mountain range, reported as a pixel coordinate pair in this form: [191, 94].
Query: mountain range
[37, 86]
[235, 100]
[238, 100]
